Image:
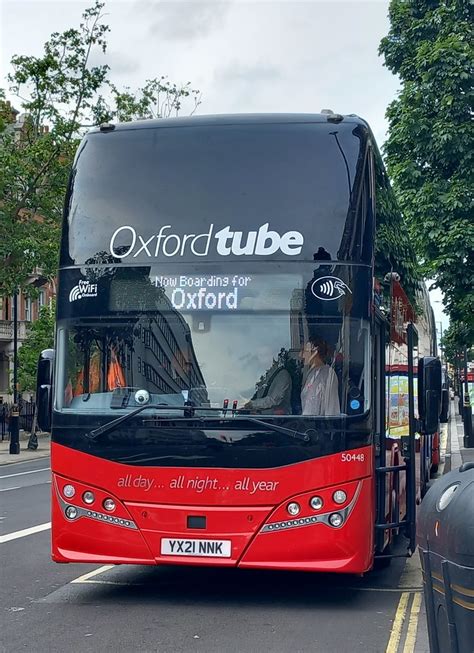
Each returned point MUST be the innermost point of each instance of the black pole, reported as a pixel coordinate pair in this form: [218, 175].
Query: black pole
[468, 435]
[14, 415]
[409, 453]
[466, 386]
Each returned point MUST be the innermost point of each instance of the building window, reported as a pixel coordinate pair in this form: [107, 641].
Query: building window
[27, 309]
[42, 298]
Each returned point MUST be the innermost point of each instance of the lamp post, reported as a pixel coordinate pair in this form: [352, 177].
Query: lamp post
[440, 339]
[33, 439]
[468, 435]
[459, 365]
[15, 415]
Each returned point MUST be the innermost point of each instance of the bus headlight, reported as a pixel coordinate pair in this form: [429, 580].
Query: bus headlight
[69, 491]
[293, 508]
[316, 503]
[71, 512]
[109, 504]
[336, 519]
[339, 496]
[88, 497]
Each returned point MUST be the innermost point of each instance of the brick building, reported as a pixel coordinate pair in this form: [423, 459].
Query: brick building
[28, 311]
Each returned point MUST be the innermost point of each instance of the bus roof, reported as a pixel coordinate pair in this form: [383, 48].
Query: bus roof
[233, 119]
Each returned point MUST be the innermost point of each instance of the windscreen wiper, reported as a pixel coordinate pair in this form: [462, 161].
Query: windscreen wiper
[188, 410]
[110, 426]
[298, 435]
[106, 428]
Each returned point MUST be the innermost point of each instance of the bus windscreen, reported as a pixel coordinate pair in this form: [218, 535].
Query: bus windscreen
[255, 341]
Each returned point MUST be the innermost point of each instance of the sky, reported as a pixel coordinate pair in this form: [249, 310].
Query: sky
[244, 56]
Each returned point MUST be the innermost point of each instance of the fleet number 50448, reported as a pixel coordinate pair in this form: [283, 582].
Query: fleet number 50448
[352, 457]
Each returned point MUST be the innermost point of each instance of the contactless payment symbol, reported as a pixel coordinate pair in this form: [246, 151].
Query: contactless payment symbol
[329, 288]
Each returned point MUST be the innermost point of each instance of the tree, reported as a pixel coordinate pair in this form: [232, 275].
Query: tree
[61, 95]
[40, 336]
[430, 145]
[455, 339]
[56, 92]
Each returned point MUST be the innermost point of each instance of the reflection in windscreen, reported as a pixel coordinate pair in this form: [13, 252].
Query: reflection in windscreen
[230, 367]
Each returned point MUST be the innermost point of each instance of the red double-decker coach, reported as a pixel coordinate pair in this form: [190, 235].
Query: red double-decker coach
[244, 369]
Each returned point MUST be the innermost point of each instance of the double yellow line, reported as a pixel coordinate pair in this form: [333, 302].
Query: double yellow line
[403, 636]
[412, 609]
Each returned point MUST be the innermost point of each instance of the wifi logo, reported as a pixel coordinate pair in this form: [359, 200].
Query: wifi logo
[75, 294]
[329, 288]
[83, 289]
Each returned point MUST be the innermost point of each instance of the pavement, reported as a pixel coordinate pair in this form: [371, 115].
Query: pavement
[458, 454]
[43, 450]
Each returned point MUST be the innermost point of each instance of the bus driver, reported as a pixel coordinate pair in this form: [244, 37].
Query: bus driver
[319, 394]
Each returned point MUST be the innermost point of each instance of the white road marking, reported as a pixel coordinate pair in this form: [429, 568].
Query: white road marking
[33, 471]
[7, 489]
[107, 582]
[23, 533]
[85, 577]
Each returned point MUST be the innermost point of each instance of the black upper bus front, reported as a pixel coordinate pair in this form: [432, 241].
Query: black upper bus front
[221, 267]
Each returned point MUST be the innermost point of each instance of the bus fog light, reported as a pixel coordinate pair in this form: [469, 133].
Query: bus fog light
[293, 508]
[69, 491]
[88, 497]
[336, 519]
[71, 512]
[109, 504]
[339, 496]
[316, 503]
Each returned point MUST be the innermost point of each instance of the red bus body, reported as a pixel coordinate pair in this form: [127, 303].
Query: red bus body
[247, 507]
[117, 497]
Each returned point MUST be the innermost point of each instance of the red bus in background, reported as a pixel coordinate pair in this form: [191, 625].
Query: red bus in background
[240, 335]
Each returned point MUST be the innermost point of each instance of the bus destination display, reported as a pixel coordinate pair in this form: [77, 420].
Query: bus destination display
[201, 293]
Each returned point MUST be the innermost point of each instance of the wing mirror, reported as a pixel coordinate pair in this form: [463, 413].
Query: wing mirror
[44, 388]
[429, 393]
